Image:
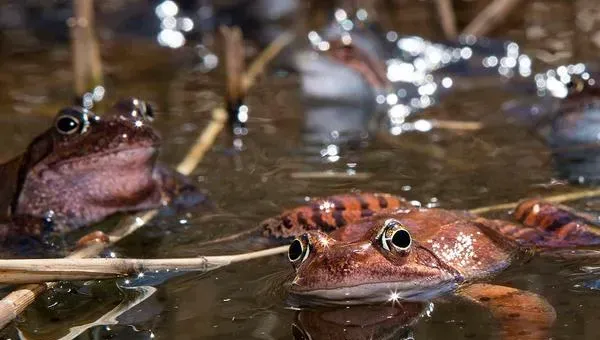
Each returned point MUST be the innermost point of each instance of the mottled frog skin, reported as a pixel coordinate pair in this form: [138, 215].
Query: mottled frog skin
[414, 255]
[83, 169]
[417, 254]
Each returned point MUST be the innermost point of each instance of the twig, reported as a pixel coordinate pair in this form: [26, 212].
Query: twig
[16, 302]
[493, 14]
[448, 18]
[264, 58]
[456, 125]
[42, 270]
[87, 66]
[554, 199]
[203, 143]
[234, 64]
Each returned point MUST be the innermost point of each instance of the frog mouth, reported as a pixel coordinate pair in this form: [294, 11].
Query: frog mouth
[412, 291]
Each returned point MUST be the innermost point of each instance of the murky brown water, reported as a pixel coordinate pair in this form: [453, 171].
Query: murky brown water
[451, 169]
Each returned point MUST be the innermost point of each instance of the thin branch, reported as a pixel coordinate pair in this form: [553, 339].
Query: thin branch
[493, 14]
[456, 125]
[87, 66]
[268, 54]
[234, 63]
[203, 143]
[43, 270]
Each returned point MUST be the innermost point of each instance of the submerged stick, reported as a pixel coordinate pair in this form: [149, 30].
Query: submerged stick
[487, 20]
[15, 303]
[329, 174]
[109, 318]
[448, 18]
[42, 270]
[87, 66]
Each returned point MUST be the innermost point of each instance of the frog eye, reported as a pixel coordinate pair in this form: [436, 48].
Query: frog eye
[395, 237]
[70, 121]
[298, 250]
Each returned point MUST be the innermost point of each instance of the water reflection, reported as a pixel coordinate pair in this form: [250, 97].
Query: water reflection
[357, 79]
[566, 116]
[358, 322]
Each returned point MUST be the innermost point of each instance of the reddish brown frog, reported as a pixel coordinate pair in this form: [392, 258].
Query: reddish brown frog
[414, 254]
[83, 169]
[417, 254]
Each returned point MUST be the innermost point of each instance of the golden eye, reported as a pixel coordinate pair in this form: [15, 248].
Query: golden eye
[298, 250]
[394, 236]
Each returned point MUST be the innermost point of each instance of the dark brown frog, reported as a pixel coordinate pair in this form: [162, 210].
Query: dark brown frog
[83, 169]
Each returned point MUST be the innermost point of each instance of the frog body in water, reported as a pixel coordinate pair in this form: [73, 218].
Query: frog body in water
[419, 254]
[412, 254]
[83, 169]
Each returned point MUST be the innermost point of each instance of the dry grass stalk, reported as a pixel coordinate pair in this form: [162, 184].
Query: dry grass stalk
[258, 65]
[87, 65]
[42, 270]
[448, 18]
[234, 64]
[487, 20]
[456, 125]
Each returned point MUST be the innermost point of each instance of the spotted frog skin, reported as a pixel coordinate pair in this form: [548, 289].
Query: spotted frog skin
[83, 169]
[414, 255]
[418, 254]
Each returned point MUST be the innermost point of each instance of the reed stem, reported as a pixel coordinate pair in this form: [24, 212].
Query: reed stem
[490, 17]
[87, 64]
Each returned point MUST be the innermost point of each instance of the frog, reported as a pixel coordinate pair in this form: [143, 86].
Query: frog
[415, 254]
[421, 253]
[84, 168]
